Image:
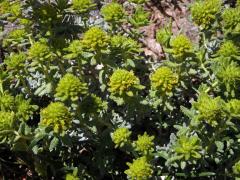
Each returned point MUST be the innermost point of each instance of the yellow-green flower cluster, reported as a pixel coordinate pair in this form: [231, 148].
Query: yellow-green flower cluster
[92, 104]
[204, 12]
[74, 49]
[6, 120]
[7, 102]
[95, 39]
[24, 109]
[229, 74]
[120, 136]
[82, 6]
[16, 61]
[144, 144]
[39, 50]
[71, 177]
[181, 46]
[113, 12]
[234, 107]
[56, 116]
[188, 147]
[4, 6]
[123, 82]
[210, 110]
[139, 169]
[236, 168]
[228, 49]
[231, 19]
[70, 88]
[163, 80]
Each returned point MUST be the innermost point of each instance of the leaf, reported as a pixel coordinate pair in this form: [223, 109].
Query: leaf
[130, 62]
[202, 174]
[187, 112]
[53, 144]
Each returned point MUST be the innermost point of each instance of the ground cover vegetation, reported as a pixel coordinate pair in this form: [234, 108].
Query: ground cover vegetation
[80, 99]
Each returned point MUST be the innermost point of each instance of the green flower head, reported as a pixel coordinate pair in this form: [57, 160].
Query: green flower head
[57, 116]
[17, 34]
[74, 49]
[6, 120]
[140, 18]
[70, 88]
[71, 177]
[181, 46]
[39, 50]
[16, 61]
[24, 108]
[229, 74]
[93, 104]
[144, 143]
[140, 169]
[204, 12]
[234, 107]
[236, 168]
[188, 147]
[4, 6]
[210, 110]
[123, 82]
[120, 136]
[228, 49]
[6, 102]
[231, 19]
[83, 6]
[95, 39]
[163, 80]
[113, 12]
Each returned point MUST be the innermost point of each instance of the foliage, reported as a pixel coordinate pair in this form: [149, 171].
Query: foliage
[81, 99]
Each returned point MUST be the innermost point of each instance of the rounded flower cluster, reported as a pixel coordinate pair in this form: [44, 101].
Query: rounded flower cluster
[204, 12]
[82, 6]
[236, 168]
[6, 102]
[70, 88]
[228, 49]
[144, 143]
[234, 107]
[95, 39]
[57, 116]
[24, 108]
[231, 19]
[6, 120]
[123, 82]
[210, 110]
[163, 80]
[16, 61]
[188, 147]
[120, 136]
[229, 74]
[181, 46]
[92, 104]
[4, 6]
[74, 49]
[140, 169]
[71, 177]
[113, 12]
[39, 50]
